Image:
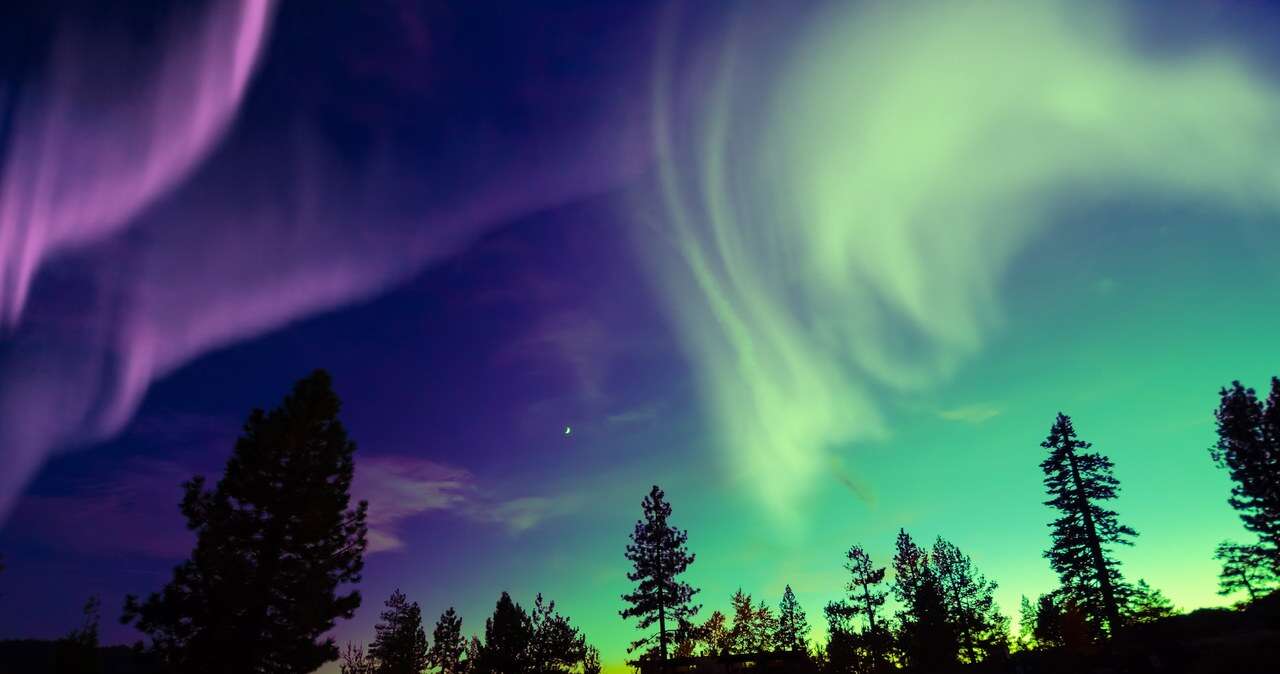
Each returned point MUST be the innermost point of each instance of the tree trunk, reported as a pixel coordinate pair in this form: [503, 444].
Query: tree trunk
[1095, 550]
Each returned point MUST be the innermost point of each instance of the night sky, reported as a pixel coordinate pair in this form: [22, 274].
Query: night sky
[821, 270]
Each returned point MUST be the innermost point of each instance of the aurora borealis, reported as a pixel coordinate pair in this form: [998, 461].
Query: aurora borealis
[821, 270]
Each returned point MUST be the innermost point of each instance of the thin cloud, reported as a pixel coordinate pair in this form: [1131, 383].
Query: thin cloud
[975, 414]
[399, 488]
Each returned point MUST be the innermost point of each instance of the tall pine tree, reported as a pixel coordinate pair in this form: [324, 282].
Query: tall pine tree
[658, 556]
[927, 637]
[865, 600]
[400, 646]
[506, 639]
[1078, 482]
[448, 644]
[971, 606]
[275, 540]
[792, 634]
[1249, 448]
[555, 645]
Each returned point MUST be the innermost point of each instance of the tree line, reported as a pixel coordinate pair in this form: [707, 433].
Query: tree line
[515, 641]
[279, 546]
[945, 614]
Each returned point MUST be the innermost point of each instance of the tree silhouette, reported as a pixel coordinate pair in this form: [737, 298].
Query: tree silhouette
[753, 625]
[77, 653]
[400, 646]
[474, 663]
[591, 661]
[1144, 603]
[1244, 567]
[658, 555]
[1046, 621]
[865, 600]
[1249, 447]
[506, 638]
[1077, 481]
[274, 541]
[516, 642]
[715, 635]
[354, 661]
[841, 653]
[971, 606]
[792, 634]
[927, 636]
[448, 644]
[555, 646]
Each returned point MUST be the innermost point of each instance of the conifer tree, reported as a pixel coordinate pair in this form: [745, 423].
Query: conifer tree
[475, 650]
[1244, 567]
[1249, 448]
[448, 644]
[1144, 603]
[928, 639]
[792, 634]
[591, 661]
[354, 661]
[715, 635]
[400, 646]
[841, 652]
[744, 634]
[658, 555]
[971, 607]
[555, 645]
[77, 653]
[1077, 482]
[1026, 624]
[506, 639]
[275, 540]
[865, 601]
[1047, 627]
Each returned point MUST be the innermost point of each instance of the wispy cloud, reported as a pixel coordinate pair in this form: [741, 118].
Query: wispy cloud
[976, 413]
[636, 415]
[135, 511]
[399, 488]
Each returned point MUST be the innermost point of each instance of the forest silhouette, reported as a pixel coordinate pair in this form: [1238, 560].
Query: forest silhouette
[279, 552]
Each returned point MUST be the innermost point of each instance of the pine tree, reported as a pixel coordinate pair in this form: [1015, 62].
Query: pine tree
[865, 600]
[77, 653]
[474, 664]
[1144, 604]
[448, 644]
[1249, 447]
[591, 661]
[506, 639]
[971, 607]
[1047, 625]
[928, 638]
[715, 635]
[1026, 624]
[400, 646]
[1244, 567]
[743, 634]
[275, 539]
[555, 645]
[792, 635]
[354, 661]
[841, 652]
[658, 555]
[1077, 481]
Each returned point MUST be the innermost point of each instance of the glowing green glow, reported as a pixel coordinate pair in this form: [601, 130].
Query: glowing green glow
[844, 225]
